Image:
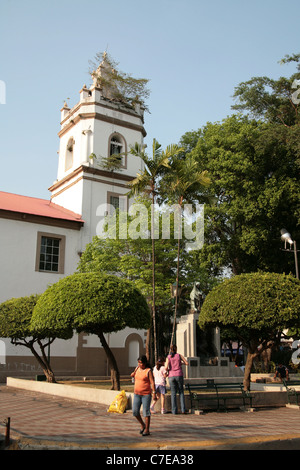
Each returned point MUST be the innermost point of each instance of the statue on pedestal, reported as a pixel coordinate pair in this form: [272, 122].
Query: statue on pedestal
[196, 297]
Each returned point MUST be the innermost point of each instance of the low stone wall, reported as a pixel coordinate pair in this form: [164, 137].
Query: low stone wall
[264, 395]
[93, 395]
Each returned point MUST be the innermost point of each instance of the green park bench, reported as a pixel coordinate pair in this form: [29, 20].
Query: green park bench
[234, 392]
[196, 398]
[292, 393]
[220, 393]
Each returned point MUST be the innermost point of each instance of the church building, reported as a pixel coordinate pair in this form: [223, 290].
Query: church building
[42, 240]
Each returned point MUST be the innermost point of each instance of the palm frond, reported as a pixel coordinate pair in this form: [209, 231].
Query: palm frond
[156, 149]
[139, 184]
[173, 150]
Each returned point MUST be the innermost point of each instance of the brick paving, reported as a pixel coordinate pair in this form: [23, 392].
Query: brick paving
[41, 421]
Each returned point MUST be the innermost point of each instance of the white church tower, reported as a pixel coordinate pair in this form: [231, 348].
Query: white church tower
[97, 127]
[55, 232]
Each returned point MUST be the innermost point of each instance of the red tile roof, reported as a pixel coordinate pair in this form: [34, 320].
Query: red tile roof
[34, 206]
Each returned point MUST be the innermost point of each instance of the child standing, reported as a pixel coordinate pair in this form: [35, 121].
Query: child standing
[160, 374]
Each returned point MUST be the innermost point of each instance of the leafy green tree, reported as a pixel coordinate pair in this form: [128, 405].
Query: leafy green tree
[257, 307]
[275, 102]
[147, 182]
[15, 323]
[271, 100]
[253, 162]
[131, 258]
[254, 192]
[93, 303]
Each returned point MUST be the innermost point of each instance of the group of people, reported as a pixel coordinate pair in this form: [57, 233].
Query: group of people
[150, 385]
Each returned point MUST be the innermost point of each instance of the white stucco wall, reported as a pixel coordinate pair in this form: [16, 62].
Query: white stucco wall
[18, 245]
[18, 249]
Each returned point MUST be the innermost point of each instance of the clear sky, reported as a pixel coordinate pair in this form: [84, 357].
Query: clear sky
[194, 53]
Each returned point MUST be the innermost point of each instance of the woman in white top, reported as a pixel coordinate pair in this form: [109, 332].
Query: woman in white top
[160, 374]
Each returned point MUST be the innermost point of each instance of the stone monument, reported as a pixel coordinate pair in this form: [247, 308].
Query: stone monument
[210, 365]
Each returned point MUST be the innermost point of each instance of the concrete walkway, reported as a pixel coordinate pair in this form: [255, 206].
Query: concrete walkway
[40, 421]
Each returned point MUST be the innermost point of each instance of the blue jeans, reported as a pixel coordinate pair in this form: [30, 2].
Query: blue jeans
[138, 401]
[176, 384]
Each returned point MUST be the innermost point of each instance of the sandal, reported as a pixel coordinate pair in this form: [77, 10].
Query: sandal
[142, 430]
[146, 434]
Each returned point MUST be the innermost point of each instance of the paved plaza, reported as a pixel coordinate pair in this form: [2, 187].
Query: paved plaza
[42, 422]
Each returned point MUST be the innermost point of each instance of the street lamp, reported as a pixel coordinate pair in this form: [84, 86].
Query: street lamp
[286, 238]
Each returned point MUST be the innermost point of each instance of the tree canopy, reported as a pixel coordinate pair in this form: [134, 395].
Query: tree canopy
[15, 317]
[15, 323]
[270, 99]
[131, 258]
[92, 303]
[257, 307]
[254, 192]
[253, 161]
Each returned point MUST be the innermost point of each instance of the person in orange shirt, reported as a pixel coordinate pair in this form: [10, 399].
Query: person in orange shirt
[143, 388]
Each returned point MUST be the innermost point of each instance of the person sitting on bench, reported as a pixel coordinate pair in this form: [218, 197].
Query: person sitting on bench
[281, 372]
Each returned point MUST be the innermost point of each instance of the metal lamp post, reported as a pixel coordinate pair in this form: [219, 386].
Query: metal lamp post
[286, 237]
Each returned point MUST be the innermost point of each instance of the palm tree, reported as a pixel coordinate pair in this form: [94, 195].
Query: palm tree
[182, 184]
[148, 182]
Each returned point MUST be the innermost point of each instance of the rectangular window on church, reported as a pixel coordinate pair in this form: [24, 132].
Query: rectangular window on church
[116, 201]
[50, 253]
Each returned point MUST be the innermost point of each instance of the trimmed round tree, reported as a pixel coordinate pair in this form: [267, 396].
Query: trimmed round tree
[257, 307]
[15, 323]
[93, 303]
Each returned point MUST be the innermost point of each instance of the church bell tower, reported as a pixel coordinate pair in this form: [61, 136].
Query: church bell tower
[98, 128]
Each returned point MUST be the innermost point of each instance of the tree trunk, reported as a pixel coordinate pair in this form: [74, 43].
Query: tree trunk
[177, 285]
[256, 350]
[148, 344]
[176, 296]
[265, 358]
[248, 367]
[114, 371]
[153, 279]
[43, 362]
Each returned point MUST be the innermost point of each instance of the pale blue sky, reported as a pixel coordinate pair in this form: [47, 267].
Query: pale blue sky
[194, 53]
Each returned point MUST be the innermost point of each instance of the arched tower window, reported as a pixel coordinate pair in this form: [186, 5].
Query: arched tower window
[115, 145]
[118, 150]
[69, 154]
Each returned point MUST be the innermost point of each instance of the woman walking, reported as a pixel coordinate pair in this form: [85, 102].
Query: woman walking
[174, 367]
[143, 387]
[159, 374]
